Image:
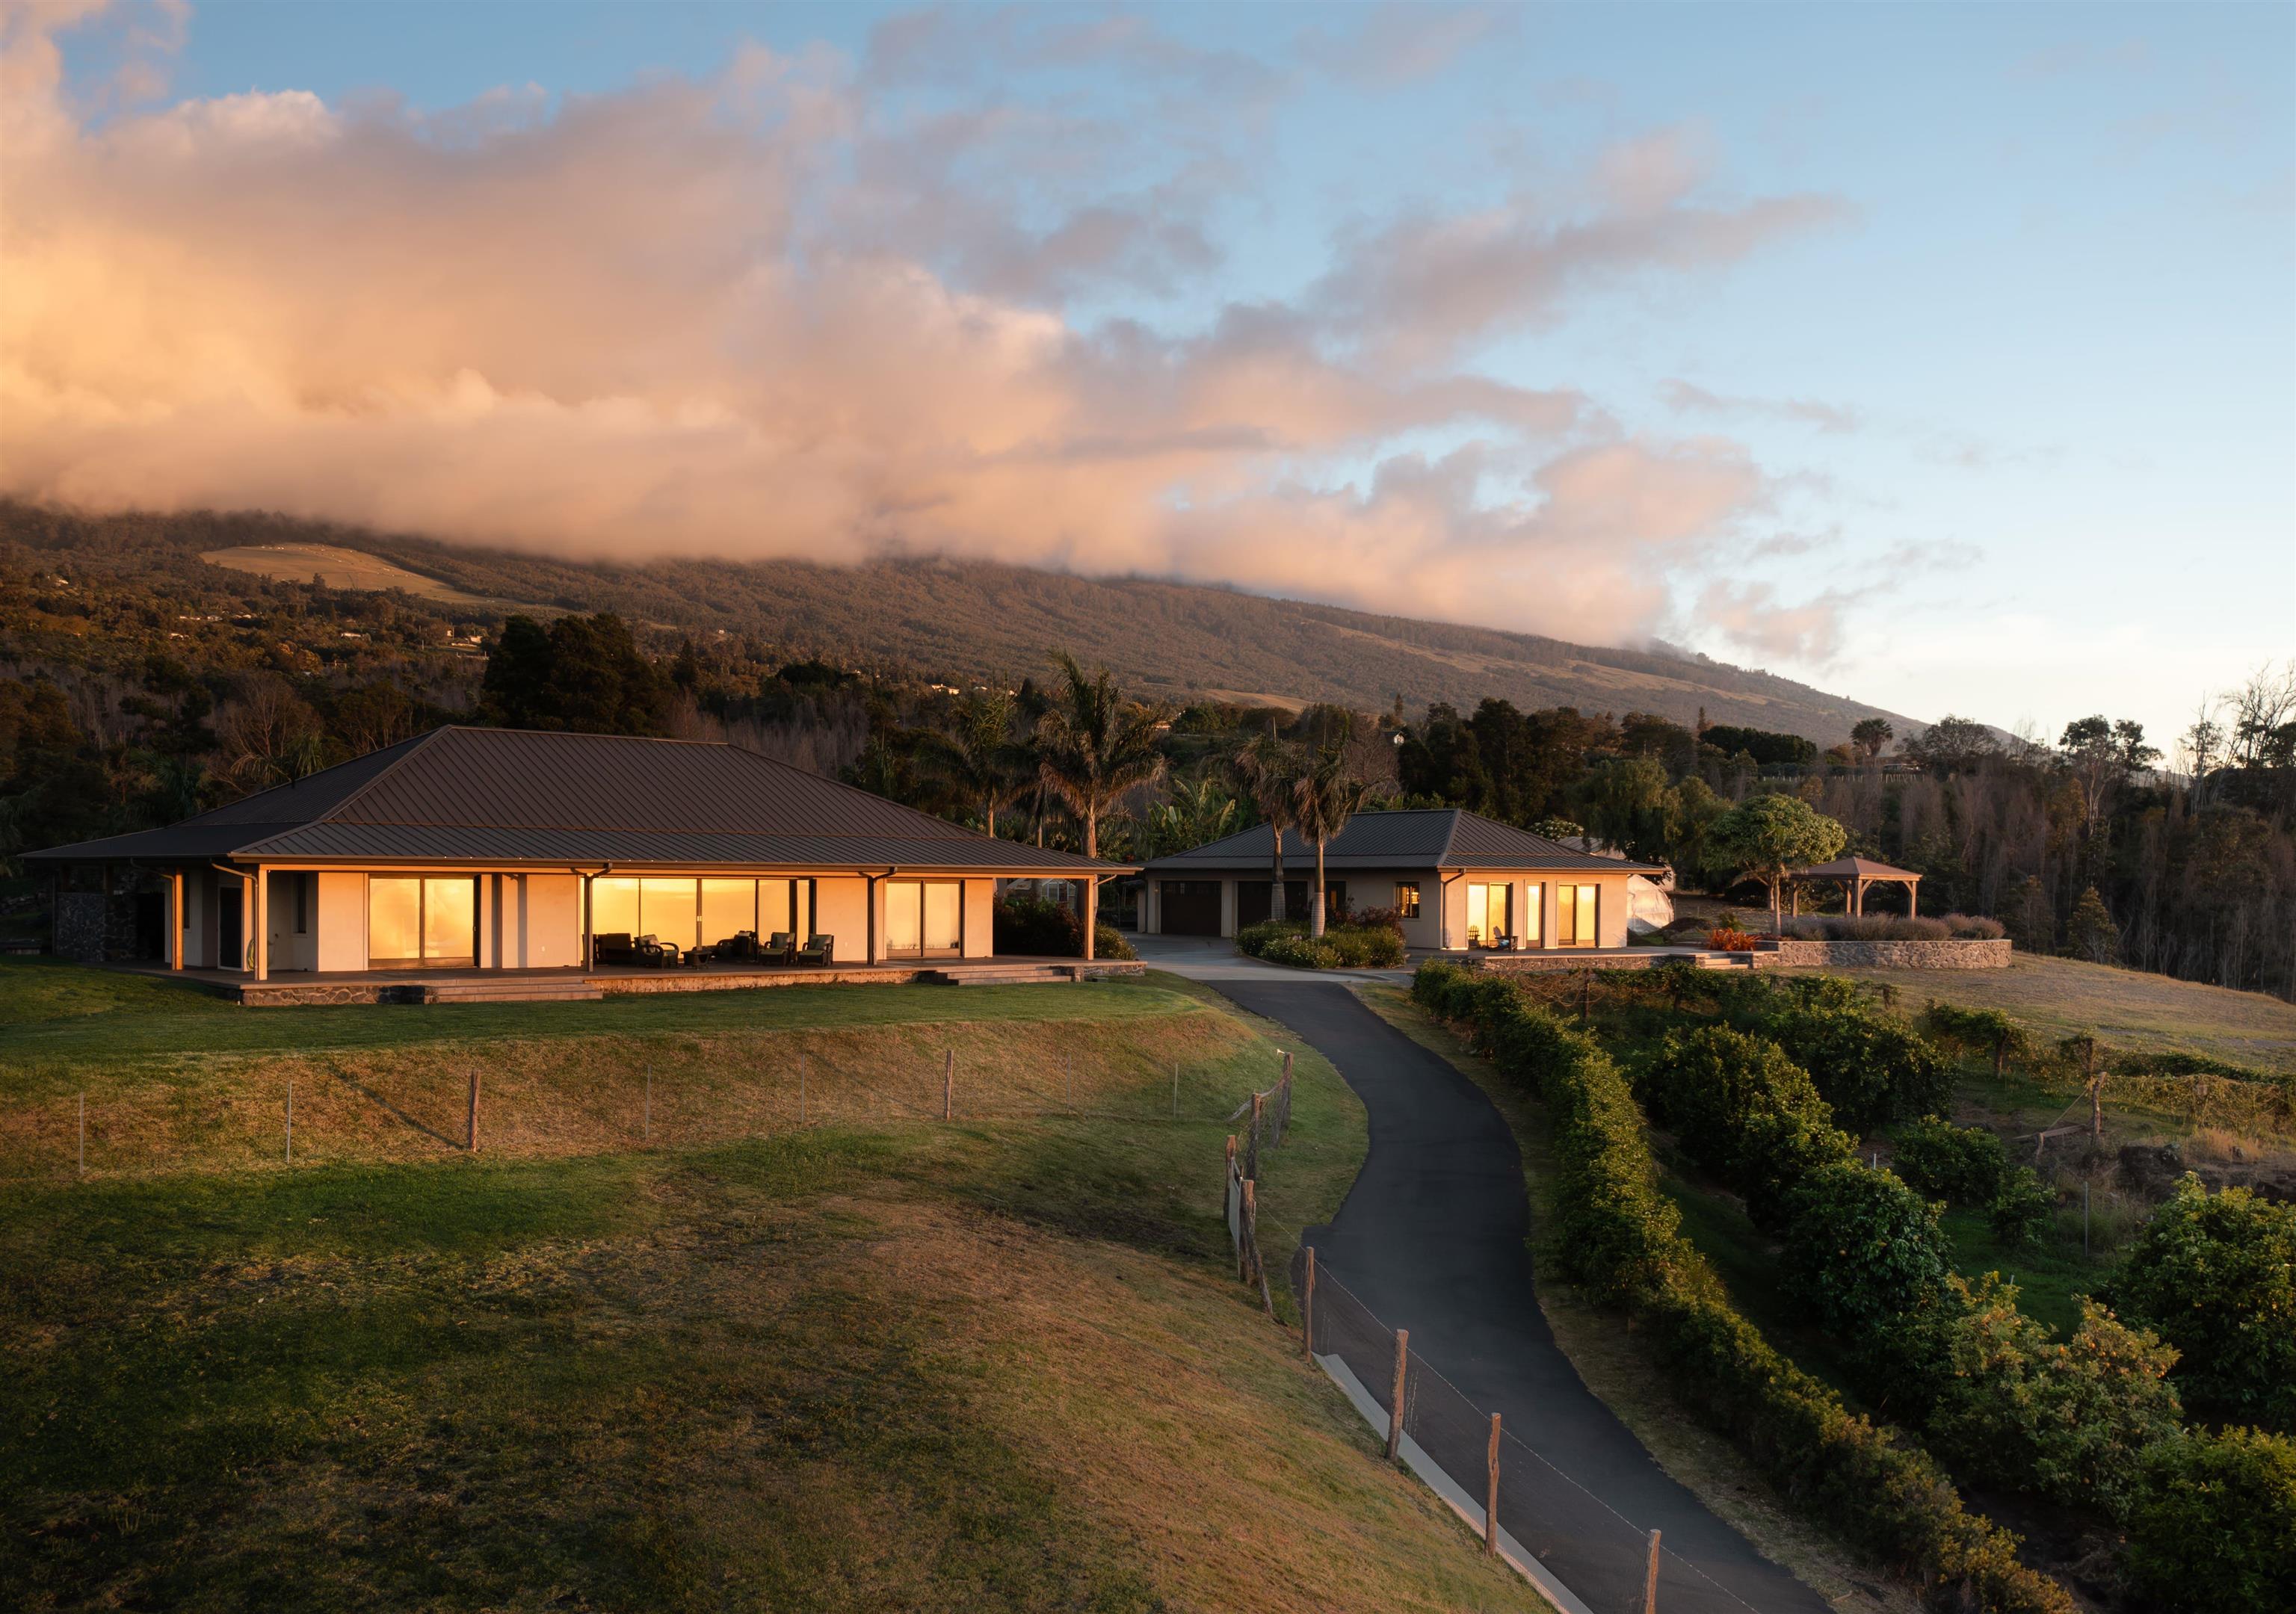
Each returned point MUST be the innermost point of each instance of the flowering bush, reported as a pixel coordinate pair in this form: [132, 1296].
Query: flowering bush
[1727, 939]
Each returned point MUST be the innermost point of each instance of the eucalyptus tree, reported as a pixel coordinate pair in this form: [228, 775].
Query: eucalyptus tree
[1093, 746]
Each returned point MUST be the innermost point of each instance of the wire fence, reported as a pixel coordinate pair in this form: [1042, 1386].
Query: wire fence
[1610, 1563]
[303, 1109]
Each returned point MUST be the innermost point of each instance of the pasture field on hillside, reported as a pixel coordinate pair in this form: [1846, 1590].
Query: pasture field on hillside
[868, 1359]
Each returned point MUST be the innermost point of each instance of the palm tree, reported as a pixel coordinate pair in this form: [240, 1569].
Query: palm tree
[1093, 746]
[1267, 770]
[1324, 796]
[979, 758]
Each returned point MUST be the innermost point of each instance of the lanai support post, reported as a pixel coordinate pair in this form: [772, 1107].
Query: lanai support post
[262, 932]
[175, 919]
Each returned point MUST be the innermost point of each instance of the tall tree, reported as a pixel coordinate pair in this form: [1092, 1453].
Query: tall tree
[1872, 736]
[1267, 769]
[1324, 798]
[585, 675]
[978, 756]
[1769, 836]
[1094, 745]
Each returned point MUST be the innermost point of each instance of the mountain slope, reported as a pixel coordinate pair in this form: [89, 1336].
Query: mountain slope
[975, 619]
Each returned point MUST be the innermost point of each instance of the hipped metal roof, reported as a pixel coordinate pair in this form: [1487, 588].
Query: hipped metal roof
[1418, 838]
[509, 796]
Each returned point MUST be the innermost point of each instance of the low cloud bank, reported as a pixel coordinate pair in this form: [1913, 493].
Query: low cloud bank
[777, 313]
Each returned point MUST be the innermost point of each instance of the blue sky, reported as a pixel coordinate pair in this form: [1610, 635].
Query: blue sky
[1942, 356]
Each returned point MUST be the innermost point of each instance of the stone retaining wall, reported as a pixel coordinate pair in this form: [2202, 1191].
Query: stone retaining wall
[1888, 954]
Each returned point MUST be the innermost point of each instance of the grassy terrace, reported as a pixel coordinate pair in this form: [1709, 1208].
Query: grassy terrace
[2126, 1009]
[871, 1361]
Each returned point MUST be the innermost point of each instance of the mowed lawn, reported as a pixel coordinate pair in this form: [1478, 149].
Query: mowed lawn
[875, 1361]
[2125, 1008]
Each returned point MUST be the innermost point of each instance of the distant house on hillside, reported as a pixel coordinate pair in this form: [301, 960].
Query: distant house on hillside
[483, 850]
[1460, 881]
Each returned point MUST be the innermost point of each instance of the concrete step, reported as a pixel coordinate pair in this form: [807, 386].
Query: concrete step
[513, 992]
[1001, 975]
[1725, 961]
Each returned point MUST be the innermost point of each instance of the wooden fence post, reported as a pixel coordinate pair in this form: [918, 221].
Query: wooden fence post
[472, 1121]
[1307, 1310]
[1491, 1494]
[949, 1087]
[1649, 1579]
[1395, 1403]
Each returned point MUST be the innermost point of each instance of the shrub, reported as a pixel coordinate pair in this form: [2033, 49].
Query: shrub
[1870, 1069]
[2015, 1407]
[1745, 1112]
[1377, 919]
[2216, 1274]
[1970, 927]
[1621, 1237]
[2021, 1207]
[1355, 946]
[1297, 949]
[2213, 1530]
[1366, 947]
[1051, 929]
[1861, 1250]
[1727, 939]
[1985, 1031]
[1960, 1165]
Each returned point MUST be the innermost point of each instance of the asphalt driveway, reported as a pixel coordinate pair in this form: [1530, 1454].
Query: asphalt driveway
[1432, 1237]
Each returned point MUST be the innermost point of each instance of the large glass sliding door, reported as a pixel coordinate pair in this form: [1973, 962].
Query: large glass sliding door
[924, 919]
[415, 920]
[693, 912]
[1487, 915]
[1576, 910]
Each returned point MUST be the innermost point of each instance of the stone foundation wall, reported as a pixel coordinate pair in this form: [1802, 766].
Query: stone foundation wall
[1888, 955]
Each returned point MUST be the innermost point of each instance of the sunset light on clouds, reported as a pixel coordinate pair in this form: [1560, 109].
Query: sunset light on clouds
[1484, 322]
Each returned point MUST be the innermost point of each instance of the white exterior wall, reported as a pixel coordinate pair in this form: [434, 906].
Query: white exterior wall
[549, 921]
[287, 949]
[979, 918]
[342, 921]
[841, 908]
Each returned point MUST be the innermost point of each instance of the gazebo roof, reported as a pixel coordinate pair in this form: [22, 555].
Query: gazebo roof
[1853, 868]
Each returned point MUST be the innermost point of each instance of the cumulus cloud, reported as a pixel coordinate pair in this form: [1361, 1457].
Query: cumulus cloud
[769, 313]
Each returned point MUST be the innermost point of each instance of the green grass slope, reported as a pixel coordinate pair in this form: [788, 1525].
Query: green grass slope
[875, 1361]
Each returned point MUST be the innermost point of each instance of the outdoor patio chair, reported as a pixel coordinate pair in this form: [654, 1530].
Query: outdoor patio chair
[742, 945]
[613, 947]
[781, 949]
[820, 950]
[656, 954]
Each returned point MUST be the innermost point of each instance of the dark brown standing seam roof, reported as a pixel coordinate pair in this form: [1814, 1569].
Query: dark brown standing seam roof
[1416, 837]
[497, 796]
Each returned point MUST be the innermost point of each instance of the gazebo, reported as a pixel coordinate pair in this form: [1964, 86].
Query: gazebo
[1853, 875]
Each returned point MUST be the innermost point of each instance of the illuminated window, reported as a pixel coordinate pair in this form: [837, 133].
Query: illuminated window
[1407, 898]
[415, 920]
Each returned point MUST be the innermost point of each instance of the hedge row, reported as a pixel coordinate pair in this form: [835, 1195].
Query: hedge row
[1622, 1237]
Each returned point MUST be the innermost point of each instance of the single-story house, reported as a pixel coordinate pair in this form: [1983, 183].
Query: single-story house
[480, 849]
[1459, 881]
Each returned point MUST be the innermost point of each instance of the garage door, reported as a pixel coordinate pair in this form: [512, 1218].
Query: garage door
[1191, 907]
